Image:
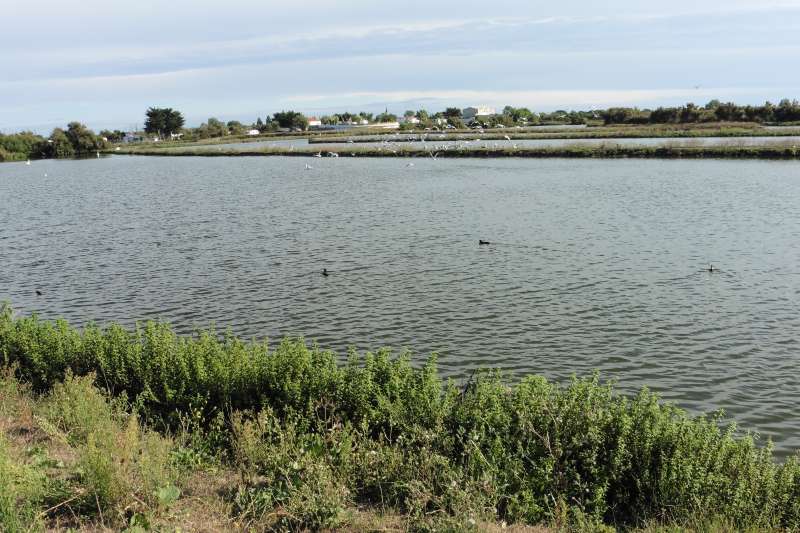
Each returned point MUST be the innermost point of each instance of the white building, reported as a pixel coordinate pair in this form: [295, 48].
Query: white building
[253, 133]
[314, 122]
[471, 113]
[409, 120]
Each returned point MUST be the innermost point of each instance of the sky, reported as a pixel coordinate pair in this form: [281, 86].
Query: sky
[105, 62]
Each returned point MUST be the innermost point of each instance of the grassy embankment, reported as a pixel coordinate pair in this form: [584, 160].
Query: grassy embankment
[667, 151]
[660, 131]
[117, 428]
[734, 129]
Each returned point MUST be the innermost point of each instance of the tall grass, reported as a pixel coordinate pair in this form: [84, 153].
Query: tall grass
[312, 435]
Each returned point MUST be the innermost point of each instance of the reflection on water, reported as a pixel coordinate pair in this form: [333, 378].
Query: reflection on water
[595, 264]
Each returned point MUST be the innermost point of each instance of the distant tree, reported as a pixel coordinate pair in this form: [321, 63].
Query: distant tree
[211, 128]
[259, 123]
[386, 117]
[452, 112]
[456, 122]
[24, 144]
[291, 119]
[689, 113]
[235, 127]
[60, 145]
[664, 115]
[83, 139]
[787, 111]
[727, 111]
[163, 121]
[518, 114]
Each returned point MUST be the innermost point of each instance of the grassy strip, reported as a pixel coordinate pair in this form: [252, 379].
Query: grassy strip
[311, 437]
[599, 133]
[771, 151]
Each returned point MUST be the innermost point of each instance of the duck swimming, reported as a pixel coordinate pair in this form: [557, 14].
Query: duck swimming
[325, 272]
[481, 242]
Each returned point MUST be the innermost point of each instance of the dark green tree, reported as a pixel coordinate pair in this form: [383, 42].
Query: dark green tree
[60, 145]
[163, 121]
[235, 127]
[291, 119]
[83, 139]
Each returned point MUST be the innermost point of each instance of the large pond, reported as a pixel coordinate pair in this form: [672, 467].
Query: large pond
[595, 265]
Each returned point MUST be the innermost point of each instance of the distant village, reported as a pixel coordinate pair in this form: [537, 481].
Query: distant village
[474, 117]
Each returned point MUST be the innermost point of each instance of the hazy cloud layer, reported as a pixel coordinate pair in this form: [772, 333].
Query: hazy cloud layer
[104, 63]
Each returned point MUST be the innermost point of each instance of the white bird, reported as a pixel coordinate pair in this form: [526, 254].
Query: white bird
[28, 162]
[98, 155]
[333, 154]
[318, 154]
[309, 167]
[410, 165]
[507, 137]
[117, 149]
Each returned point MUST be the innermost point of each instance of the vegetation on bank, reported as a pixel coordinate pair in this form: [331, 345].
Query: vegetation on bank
[577, 150]
[77, 140]
[787, 111]
[614, 132]
[144, 427]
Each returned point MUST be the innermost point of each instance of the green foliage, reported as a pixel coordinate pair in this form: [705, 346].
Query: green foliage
[212, 128]
[22, 489]
[311, 436]
[61, 146]
[83, 140]
[120, 464]
[291, 119]
[785, 112]
[163, 121]
[21, 146]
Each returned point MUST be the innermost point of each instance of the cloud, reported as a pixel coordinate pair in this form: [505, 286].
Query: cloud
[253, 56]
[536, 99]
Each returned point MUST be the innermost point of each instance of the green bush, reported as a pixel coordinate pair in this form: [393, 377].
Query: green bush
[376, 430]
[22, 489]
[121, 465]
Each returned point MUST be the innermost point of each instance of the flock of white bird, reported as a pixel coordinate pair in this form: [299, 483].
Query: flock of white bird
[432, 150]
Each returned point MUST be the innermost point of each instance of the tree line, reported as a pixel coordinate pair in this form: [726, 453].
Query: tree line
[77, 140]
[787, 111]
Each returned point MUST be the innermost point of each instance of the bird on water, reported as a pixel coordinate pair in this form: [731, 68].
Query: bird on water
[38, 292]
[325, 272]
[711, 268]
[481, 241]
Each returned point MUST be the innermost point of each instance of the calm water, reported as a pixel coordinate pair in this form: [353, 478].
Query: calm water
[597, 264]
